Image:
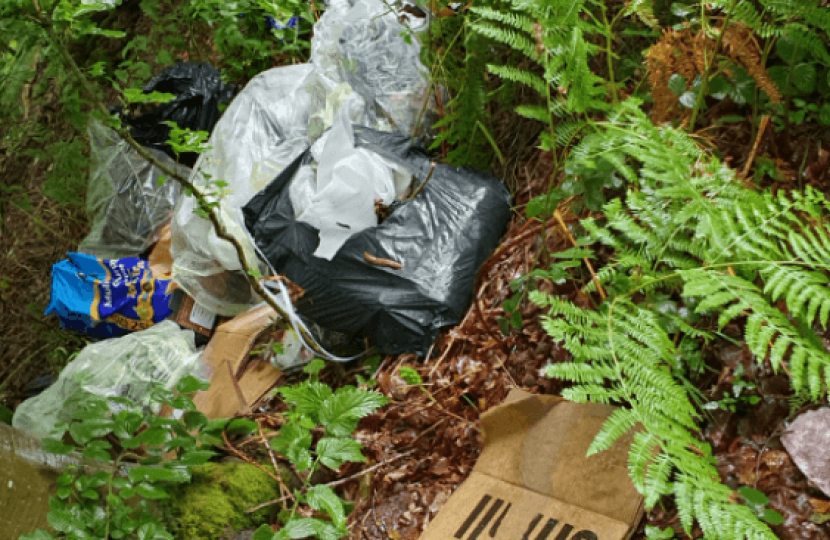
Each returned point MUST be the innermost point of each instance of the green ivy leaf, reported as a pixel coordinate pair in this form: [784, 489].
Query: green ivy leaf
[60, 518]
[156, 474]
[305, 527]
[263, 533]
[83, 432]
[410, 376]
[333, 452]
[97, 450]
[241, 426]
[291, 435]
[65, 479]
[121, 483]
[126, 423]
[322, 497]
[516, 320]
[753, 496]
[804, 77]
[772, 517]
[824, 114]
[313, 368]
[196, 457]
[688, 99]
[194, 420]
[789, 50]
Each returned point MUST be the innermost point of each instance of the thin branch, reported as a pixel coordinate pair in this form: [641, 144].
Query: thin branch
[244, 457]
[424, 183]
[46, 23]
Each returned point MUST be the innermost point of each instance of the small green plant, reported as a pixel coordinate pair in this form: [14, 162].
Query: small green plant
[757, 502]
[738, 398]
[116, 500]
[315, 409]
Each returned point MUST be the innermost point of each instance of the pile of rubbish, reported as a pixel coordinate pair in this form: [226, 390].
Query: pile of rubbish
[314, 170]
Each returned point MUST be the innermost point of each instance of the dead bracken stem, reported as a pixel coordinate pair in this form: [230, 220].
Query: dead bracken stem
[587, 261]
[761, 128]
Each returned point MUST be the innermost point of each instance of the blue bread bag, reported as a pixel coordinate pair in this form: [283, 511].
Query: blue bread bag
[107, 297]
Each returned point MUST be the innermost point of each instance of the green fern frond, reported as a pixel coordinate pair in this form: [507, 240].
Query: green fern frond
[644, 10]
[515, 39]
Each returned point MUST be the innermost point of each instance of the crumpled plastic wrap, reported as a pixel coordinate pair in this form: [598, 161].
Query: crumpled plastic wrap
[339, 200]
[126, 204]
[127, 367]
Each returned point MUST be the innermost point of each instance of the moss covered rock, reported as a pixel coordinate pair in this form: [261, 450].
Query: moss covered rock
[214, 502]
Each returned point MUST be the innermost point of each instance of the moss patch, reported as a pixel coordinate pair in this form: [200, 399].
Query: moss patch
[216, 499]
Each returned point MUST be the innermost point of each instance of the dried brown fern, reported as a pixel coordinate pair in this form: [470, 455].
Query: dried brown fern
[687, 53]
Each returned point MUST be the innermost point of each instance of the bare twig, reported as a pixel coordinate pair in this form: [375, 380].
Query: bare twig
[244, 457]
[374, 467]
[424, 183]
[761, 128]
[336, 482]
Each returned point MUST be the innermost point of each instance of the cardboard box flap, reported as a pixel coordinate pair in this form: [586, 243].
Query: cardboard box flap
[225, 356]
[233, 339]
[540, 443]
[485, 508]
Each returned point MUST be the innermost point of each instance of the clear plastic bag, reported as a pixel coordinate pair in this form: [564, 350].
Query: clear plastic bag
[127, 366]
[127, 205]
[363, 45]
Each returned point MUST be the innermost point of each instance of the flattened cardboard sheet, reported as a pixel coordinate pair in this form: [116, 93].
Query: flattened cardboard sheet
[533, 481]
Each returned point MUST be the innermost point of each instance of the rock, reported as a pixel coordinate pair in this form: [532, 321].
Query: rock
[808, 442]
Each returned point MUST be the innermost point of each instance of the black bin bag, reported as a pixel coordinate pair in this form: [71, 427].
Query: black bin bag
[198, 89]
[441, 238]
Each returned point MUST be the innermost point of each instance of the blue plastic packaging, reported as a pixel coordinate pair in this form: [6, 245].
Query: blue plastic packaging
[107, 297]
